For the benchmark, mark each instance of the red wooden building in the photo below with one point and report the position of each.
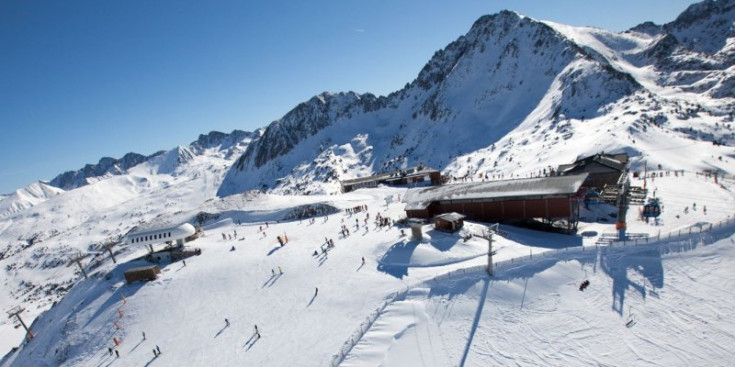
(545, 198)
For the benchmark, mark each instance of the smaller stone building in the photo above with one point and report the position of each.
(142, 273)
(449, 222)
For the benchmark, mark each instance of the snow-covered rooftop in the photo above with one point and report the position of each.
(420, 198)
(618, 162)
(410, 172)
(453, 216)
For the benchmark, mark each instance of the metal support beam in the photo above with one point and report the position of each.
(490, 254)
(108, 246)
(15, 312)
(78, 260)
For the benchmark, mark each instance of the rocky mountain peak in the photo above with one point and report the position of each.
(705, 27)
(648, 28)
(304, 120)
(106, 165)
(216, 139)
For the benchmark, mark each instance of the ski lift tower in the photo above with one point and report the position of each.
(488, 235)
(78, 260)
(15, 312)
(108, 246)
(622, 204)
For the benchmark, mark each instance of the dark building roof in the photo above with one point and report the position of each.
(616, 162)
(420, 198)
(395, 175)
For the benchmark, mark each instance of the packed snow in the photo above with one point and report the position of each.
(513, 99)
(529, 312)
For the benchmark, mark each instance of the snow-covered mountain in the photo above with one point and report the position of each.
(513, 97)
(228, 143)
(106, 167)
(27, 197)
(510, 80)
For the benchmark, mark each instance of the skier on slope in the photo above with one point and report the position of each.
(584, 285)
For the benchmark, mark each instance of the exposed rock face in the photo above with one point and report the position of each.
(489, 80)
(106, 166)
(227, 144)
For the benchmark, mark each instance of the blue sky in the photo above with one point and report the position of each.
(80, 80)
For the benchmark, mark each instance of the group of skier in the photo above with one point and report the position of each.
(356, 209)
(156, 350)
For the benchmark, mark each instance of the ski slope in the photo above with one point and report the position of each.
(529, 313)
(653, 305)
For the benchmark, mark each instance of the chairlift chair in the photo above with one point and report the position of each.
(592, 198)
(585, 283)
(652, 209)
(631, 321)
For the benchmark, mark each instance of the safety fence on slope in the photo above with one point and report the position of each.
(364, 327)
(675, 235)
(678, 235)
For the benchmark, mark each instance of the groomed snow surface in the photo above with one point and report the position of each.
(447, 311)
(677, 298)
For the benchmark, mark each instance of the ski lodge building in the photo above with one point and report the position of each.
(418, 174)
(604, 169)
(545, 198)
(178, 234)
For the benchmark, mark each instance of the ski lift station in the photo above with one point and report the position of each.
(161, 235)
(549, 198)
